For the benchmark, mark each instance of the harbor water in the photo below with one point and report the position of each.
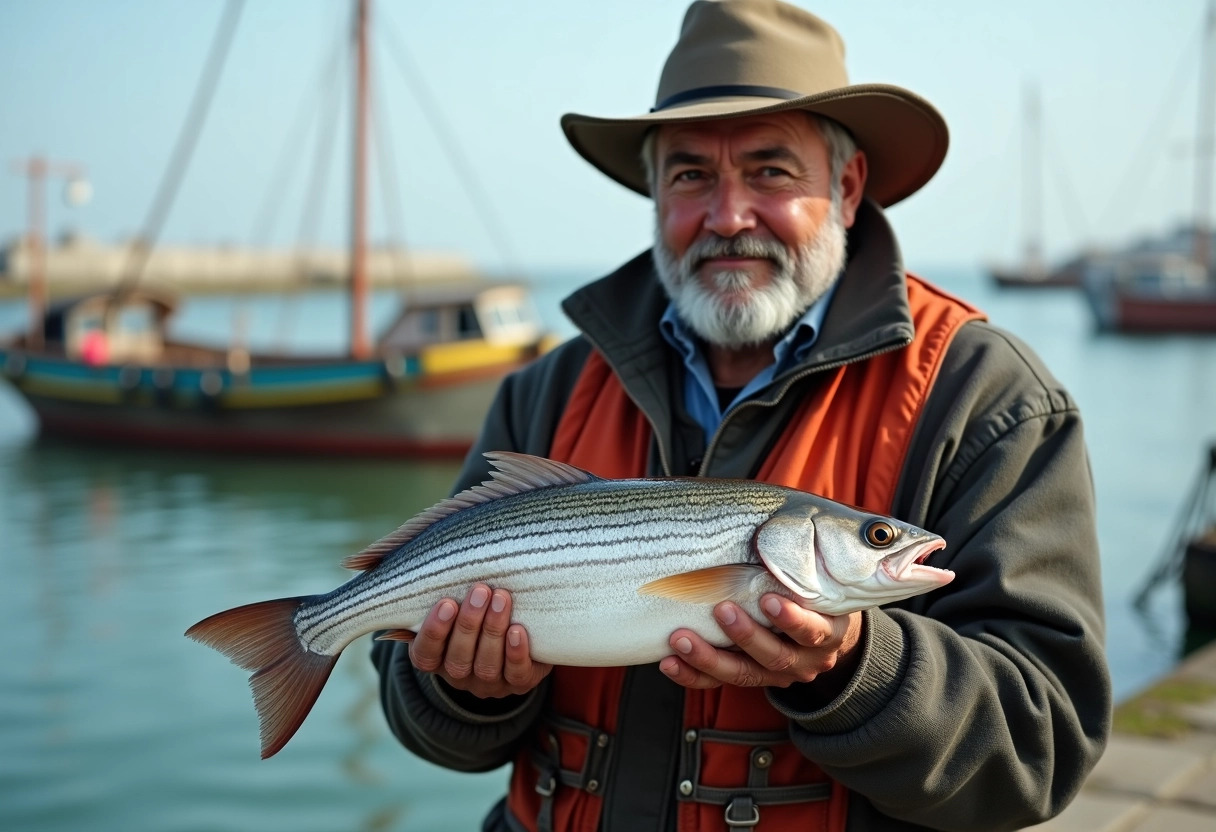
(111, 720)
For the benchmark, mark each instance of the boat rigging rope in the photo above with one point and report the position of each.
(450, 145)
(137, 255)
(1140, 167)
(390, 190)
(1189, 524)
(313, 108)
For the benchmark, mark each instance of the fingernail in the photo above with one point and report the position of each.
(513, 637)
(669, 666)
(683, 645)
(726, 614)
(499, 603)
(772, 606)
(446, 611)
(478, 598)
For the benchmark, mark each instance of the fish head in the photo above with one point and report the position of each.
(837, 559)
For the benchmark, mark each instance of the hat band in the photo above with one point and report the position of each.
(722, 90)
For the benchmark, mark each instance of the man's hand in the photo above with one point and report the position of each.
(474, 646)
(807, 645)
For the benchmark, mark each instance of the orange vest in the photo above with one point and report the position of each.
(847, 442)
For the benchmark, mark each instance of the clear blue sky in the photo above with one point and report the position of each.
(106, 83)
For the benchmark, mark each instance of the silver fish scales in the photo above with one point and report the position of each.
(601, 572)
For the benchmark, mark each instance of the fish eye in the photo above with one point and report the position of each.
(879, 534)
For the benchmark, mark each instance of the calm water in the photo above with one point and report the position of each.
(111, 720)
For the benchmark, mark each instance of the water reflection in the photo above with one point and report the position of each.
(111, 719)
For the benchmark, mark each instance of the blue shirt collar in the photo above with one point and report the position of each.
(700, 395)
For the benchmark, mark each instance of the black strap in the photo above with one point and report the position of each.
(723, 90)
(757, 789)
(549, 771)
(742, 803)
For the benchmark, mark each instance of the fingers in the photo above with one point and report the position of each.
(803, 626)
(521, 674)
(429, 645)
(474, 647)
(462, 644)
(488, 662)
(685, 674)
(807, 645)
(698, 664)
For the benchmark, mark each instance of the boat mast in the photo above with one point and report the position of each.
(36, 169)
(1032, 185)
(358, 239)
(1206, 143)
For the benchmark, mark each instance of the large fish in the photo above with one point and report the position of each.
(601, 572)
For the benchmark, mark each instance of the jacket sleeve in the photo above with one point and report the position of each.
(982, 705)
(438, 723)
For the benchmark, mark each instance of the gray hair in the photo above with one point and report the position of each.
(841, 148)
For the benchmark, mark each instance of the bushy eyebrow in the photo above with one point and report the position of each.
(683, 157)
(776, 153)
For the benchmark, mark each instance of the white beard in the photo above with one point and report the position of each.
(734, 313)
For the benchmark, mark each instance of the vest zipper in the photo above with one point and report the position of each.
(790, 382)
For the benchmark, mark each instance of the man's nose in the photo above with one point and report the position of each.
(730, 209)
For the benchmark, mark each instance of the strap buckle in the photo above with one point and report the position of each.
(546, 788)
(739, 805)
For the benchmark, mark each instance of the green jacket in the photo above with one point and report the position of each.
(980, 706)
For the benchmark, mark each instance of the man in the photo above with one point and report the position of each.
(773, 333)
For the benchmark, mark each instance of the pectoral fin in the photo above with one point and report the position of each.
(705, 586)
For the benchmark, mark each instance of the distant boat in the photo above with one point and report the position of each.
(1068, 275)
(1167, 285)
(104, 368)
(1151, 292)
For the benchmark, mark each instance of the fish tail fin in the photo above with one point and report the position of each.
(287, 677)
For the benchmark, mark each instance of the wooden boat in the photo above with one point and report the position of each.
(110, 372)
(1151, 293)
(104, 368)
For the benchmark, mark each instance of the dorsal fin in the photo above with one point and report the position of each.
(514, 474)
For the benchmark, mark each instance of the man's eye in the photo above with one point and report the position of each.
(687, 176)
(771, 172)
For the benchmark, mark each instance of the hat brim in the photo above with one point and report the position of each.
(903, 136)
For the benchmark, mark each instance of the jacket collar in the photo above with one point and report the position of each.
(620, 313)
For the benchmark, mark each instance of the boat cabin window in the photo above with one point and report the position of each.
(136, 320)
(467, 326)
(426, 323)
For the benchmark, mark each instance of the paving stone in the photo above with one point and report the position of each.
(1145, 767)
(1202, 715)
(1202, 743)
(1174, 819)
(1201, 791)
(1200, 665)
(1097, 812)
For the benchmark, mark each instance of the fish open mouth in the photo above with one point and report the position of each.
(908, 565)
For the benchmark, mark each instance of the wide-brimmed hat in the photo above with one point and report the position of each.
(749, 57)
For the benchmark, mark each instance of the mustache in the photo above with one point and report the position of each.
(738, 246)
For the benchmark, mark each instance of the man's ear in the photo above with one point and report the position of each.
(852, 187)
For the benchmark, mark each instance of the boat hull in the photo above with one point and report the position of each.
(1147, 314)
(369, 408)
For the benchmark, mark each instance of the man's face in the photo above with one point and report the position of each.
(747, 234)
